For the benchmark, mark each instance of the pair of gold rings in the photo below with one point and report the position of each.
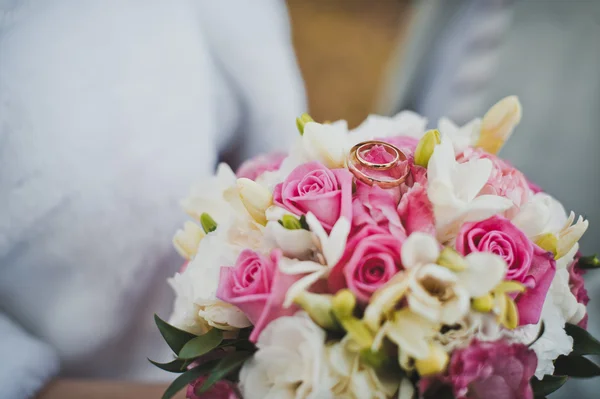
(396, 170)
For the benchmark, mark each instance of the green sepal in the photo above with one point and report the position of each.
(226, 366)
(188, 377)
(549, 384)
(201, 345)
(589, 262)
(174, 337)
(290, 222)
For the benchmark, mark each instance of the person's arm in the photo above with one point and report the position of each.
(26, 363)
(251, 41)
(98, 389)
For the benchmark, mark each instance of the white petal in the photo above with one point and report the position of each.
(419, 249)
(470, 177)
(302, 285)
(486, 206)
(325, 143)
(294, 243)
(456, 309)
(407, 389)
(336, 242)
(533, 217)
(485, 271)
(442, 162)
(410, 332)
(293, 266)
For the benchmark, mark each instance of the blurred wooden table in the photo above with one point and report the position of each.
(342, 48)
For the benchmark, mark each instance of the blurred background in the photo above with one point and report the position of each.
(110, 109)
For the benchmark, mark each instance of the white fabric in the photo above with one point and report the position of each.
(108, 112)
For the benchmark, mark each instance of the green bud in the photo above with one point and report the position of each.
(589, 262)
(319, 308)
(452, 260)
(290, 222)
(301, 121)
(208, 223)
(343, 304)
(426, 146)
(377, 360)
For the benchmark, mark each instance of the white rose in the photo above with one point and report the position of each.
(289, 363)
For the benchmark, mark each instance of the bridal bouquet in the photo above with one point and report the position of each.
(381, 262)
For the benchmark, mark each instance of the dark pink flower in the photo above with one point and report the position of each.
(253, 168)
(416, 211)
(527, 263)
(577, 285)
(492, 370)
(221, 390)
(373, 205)
(406, 144)
(371, 258)
(312, 187)
(257, 287)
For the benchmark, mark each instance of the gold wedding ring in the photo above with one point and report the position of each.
(359, 166)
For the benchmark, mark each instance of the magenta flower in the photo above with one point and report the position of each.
(492, 370)
(253, 168)
(371, 259)
(577, 285)
(257, 287)
(221, 390)
(527, 263)
(312, 187)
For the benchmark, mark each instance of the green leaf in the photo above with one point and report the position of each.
(576, 367)
(303, 223)
(589, 262)
(176, 366)
(540, 333)
(549, 384)
(201, 345)
(175, 337)
(227, 365)
(188, 377)
(583, 342)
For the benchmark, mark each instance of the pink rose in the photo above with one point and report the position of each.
(577, 285)
(253, 168)
(312, 187)
(416, 211)
(527, 263)
(373, 205)
(504, 180)
(492, 370)
(257, 287)
(221, 390)
(371, 258)
(407, 144)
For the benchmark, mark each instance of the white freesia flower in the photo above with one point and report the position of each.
(545, 221)
(352, 378)
(453, 189)
(186, 240)
(196, 305)
(326, 143)
(330, 250)
(440, 294)
(480, 326)
(218, 196)
(405, 123)
(290, 362)
(462, 137)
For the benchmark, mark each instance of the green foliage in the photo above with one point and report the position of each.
(576, 366)
(208, 223)
(583, 342)
(201, 345)
(174, 337)
(188, 377)
(549, 384)
(228, 364)
(176, 366)
(589, 262)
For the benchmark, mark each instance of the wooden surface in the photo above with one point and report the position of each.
(343, 47)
